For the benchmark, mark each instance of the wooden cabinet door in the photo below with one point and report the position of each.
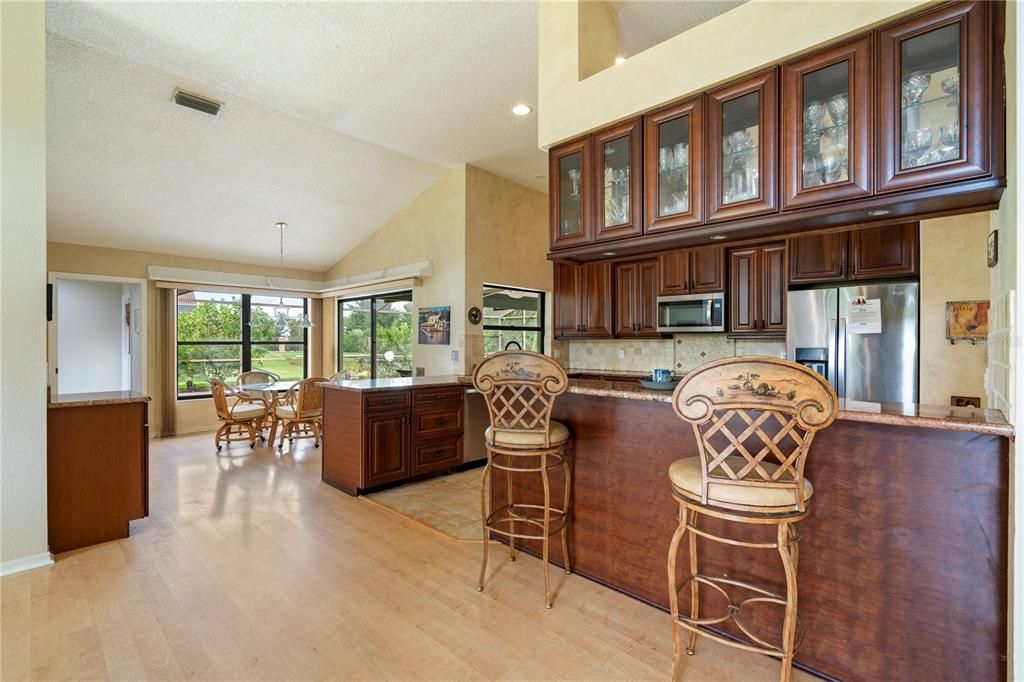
(570, 197)
(436, 455)
(884, 252)
(934, 97)
(625, 299)
(817, 258)
(773, 288)
(742, 132)
(826, 125)
(387, 443)
(618, 159)
(744, 291)
(674, 166)
(674, 269)
(707, 269)
(596, 311)
(567, 300)
(645, 311)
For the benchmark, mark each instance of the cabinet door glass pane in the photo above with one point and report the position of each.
(570, 190)
(930, 92)
(674, 166)
(826, 135)
(616, 182)
(740, 160)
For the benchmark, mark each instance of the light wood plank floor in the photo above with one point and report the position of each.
(250, 568)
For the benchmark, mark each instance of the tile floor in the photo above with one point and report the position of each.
(448, 504)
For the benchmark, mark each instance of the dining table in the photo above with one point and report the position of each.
(272, 392)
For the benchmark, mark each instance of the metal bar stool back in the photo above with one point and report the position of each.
(520, 388)
(754, 419)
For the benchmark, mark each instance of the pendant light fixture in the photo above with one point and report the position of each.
(281, 310)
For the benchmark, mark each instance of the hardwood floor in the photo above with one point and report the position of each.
(250, 568)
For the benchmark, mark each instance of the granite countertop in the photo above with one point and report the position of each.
(398, 383)
(945, 418)
(623, 373)
(98, 398)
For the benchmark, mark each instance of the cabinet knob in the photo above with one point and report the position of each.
(441, 420)
(438, 454)
(389, 401)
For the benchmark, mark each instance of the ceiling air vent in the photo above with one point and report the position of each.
(197, 102)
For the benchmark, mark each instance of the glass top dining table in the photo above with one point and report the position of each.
(272, 387)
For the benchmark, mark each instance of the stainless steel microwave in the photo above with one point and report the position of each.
(691, 313)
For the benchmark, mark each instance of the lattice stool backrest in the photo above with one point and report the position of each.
(520, 388)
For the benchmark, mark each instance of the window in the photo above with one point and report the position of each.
(220, 335)
(375, 336)
(513, 316)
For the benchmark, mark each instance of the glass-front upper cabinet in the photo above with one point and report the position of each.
(826, 139)
(618, 169)
(742, 129)
(934, 105)
(674, 166)
(571, 196)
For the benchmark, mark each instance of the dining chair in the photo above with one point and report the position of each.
(301, 413)
(241, 419)
(258, 377)
(341, 376)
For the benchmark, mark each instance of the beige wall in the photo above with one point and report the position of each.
(767, 30)
(953, 268)
(23, 540)
(191, 415)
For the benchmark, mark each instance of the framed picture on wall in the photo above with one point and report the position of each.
(967, 320)
(435, 325)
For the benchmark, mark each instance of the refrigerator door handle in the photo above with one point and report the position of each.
(832, 335)
(841, 360)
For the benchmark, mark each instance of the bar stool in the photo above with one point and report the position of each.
(520, 388)
(754, 419)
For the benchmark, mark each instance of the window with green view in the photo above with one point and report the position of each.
(513, 317)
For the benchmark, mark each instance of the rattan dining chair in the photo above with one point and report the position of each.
(258, 377)
(301, 413)
(240, 421)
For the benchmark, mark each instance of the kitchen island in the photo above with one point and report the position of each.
(903, 562)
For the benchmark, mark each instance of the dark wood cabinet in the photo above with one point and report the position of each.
(818, 258)
(674, 167)
(567, 300)
(618, 155)
(636, 294)
(826, 125)
(935, 97)
(377, 438)
(757, 290)
(700, 270)
(742, 133)
(884, 252)
(570, 193)
(583, 300)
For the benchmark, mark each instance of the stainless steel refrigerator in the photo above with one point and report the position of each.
(867, 350)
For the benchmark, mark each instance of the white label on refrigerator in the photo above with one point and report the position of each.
(865, 316)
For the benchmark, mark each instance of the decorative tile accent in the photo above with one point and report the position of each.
(682, 353)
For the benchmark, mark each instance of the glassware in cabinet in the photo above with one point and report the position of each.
(570, 187)
(618, 167)
(673, 166)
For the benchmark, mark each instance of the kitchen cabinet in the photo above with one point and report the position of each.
(884, 252)
(818, 258)
(636, 294)
(378, 438)
(757, 290)
(566, 300)
(618, 188)
(826, 125)
(583, 300)
(674, 167)
(935, 97)
(742, 134)
(570, 193)
(698, 270)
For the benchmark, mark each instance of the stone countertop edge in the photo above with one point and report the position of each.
(989, 422)
(98, 398)
(399, 383)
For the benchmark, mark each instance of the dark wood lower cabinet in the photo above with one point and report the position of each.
(378, 438)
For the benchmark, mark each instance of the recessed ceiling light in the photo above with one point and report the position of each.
(522, 109)
(620, 60)
(717, 237)
(607, 253)
(874, 213)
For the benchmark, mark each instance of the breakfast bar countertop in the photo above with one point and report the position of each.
(96, 398)
(398, 383)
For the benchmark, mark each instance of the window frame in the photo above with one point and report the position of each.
(339, 358)
(541, 315)
(246, 342)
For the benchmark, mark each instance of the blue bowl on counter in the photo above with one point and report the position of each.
(669, 385)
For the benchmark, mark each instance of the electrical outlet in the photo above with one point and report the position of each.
(455, 355)
(622, 354)
(420, 372)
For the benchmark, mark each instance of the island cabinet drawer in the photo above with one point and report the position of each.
(432, 396)
(436, 455)
(435, 421)
(385, 400)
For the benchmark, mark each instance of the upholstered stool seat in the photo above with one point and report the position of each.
(557, 433)
(685, 475)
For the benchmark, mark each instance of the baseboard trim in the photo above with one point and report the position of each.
(26, 563)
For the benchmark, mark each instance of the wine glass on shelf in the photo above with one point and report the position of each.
(574, 179)
(914, 85)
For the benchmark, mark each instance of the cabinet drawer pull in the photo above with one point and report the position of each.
(439, 454)
(389, 401)
(441, 420)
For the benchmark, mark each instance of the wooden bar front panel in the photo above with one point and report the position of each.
(903, 561)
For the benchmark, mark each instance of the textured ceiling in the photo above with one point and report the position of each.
(337, 115)
(645, 23)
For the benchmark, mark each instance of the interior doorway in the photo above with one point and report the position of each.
(97, 338)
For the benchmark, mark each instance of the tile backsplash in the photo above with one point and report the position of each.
(682, 352)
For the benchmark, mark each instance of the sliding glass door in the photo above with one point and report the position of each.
(375, 336)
